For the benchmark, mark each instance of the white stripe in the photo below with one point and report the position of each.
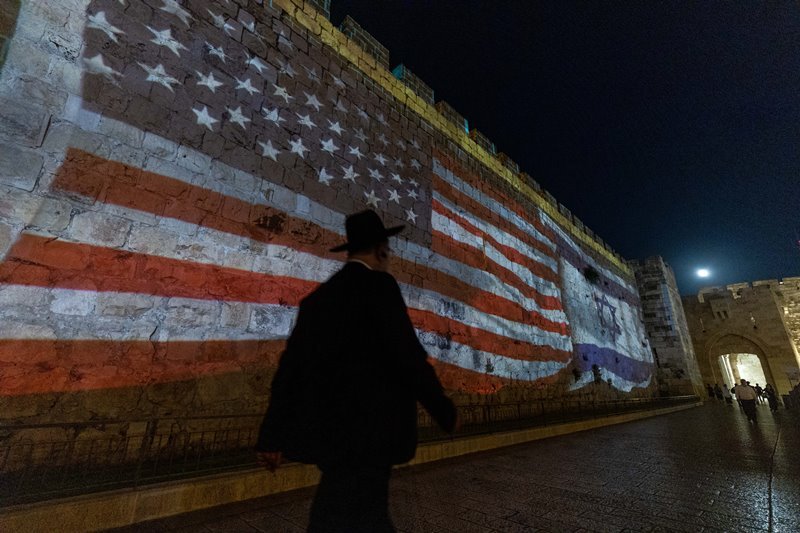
(586, 257)
(469, 358)
(499, 235)
(433, 302)
(493, 205)
(455, 231)
(123, 316)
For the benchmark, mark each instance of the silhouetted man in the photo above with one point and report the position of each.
(345, 394)
(747, 398)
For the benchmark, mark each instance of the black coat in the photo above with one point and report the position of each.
(347, 386)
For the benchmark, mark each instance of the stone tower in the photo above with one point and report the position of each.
(664, 319)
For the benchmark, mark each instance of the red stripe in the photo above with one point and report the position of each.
(479, 210)
(34, 367)
(44, 365)
(483, 340)
(44, 262)
(515, 256)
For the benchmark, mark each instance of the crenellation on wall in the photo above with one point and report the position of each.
(414, 82)
(448, 112)
(366, 41)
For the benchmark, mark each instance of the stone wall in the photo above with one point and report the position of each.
(759, 318)
(667, 329)
(173, 174)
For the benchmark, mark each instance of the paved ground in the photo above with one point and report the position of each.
(705, 469)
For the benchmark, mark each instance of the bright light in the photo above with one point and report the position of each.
(703, 272)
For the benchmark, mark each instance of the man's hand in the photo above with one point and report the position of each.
(269, 460)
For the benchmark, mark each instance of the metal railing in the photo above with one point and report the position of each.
(45, 461)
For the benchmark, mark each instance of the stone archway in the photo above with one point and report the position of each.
(727, 344)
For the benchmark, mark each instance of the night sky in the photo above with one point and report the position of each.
(669, 128)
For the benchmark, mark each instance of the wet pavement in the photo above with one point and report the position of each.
(704, 469)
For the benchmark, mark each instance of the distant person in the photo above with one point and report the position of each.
(717, 392)
(772, 397)
(710, 391)
(759, 393)
(726, 393)
(747, 399)
(345, 394)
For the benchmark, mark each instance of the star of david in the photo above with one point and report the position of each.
(607, 314)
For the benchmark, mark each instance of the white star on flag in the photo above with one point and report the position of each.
(209, 81)
(99, 22)
(286, 68)
(329, 146)
(305, 120)
(237, 116)
(204, 119)
(246, 85)
(160, 76)
(335, 127)
(362, 113)
(413, 183)
(324, 177)
(311, 100)
(382, 138)
(267, 150)
(298, 148)
(356, 152)
(257, 64)
(97, 65)
(164, 38)
(216, 51)
(411, 216)
(412, 194)
(284, 40)
(372, 199)
(273, 116)
(219, 20)
(415, 164)
(374, 174)
(338, 82)
(281, 92)
(415, 144)
(228, 28)
(312, 74)
(380, 158)
(340, 107)
(396, 177)
(350, 174)
(399, 163)
(401, 144)
(382, 119)
(360, 135)
(393, 196)
(172, 6)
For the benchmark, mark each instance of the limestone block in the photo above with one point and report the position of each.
(185, 312)
(23, 123)
(8, 234)
(271, 321)
(62, 135)
(123, 305)
(234, 314)
(100, 229)
(10, 329)
(75, 303)
(24, 295)
(150, 240)
(17, 206)
(52, 215)
(19, 168)
(159, 147)
(121, 132)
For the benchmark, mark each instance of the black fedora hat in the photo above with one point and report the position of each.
(364, 230)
